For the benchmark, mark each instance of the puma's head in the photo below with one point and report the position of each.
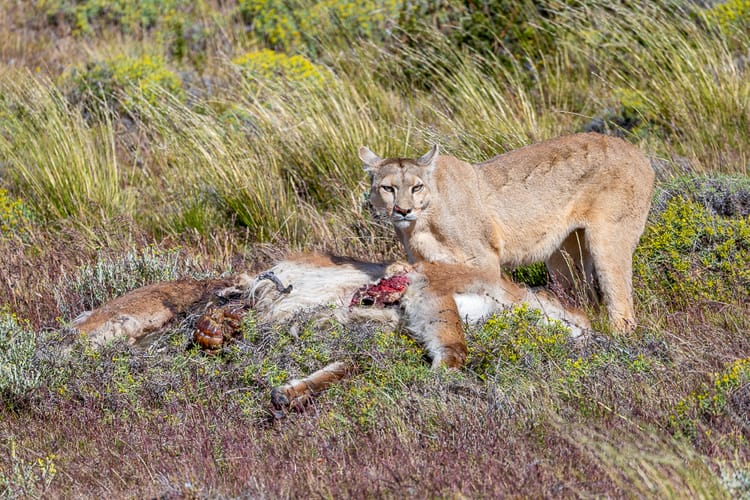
(399, 187)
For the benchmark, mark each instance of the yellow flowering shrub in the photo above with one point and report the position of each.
(732, 14)
(13, 214)
(688, 253)
(268, 68)
(711, 399)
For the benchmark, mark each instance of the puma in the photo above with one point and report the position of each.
(577, 202)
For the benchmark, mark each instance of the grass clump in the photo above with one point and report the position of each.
(92, 285)
(66, 167)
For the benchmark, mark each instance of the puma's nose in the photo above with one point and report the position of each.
(401, 211)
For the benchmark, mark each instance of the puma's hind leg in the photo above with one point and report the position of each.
(613, 262)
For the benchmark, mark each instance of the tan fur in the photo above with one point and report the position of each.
(587, 194)
(142, 311)
(297, 392)
(434, 306)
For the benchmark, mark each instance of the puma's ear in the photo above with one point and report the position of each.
(370, 159)
(428, 159)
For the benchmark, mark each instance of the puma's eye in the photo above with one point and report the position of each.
(417, 188)
(388, 189)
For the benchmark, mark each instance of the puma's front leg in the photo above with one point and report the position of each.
(433, 317)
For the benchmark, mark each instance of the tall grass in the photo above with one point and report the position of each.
(281, 160)
(66, 167)
(679, 74)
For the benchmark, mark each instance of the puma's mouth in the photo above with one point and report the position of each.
(401, 220)
(402, 223)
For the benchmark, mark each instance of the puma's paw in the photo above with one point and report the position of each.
(452, 357)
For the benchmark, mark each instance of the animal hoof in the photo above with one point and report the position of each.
(279, 399)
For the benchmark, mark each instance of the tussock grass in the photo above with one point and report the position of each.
(676, 74)
(67, 168)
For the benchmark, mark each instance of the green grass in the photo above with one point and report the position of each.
(151, 140)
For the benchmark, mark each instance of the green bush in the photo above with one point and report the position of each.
(532, 275)
(14, 215)
(124, 83)
(504, 28)
(301, 26)
(86, 16)
(689, 255)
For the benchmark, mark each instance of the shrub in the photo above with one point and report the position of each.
(532, 275)
(86, 16)
(14, 215)
(111, 277)
(719, 194)
(23, 368)
(730, 15)
(266, 67)
(499, 27)
(124, 82)
(689, 255)
(293, 25)
(517, 336)
(711, 400)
